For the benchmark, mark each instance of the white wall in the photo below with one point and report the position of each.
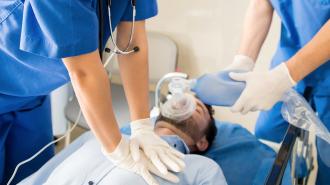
(207, 33)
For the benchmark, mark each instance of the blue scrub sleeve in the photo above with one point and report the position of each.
(144, 9)
(59, 29)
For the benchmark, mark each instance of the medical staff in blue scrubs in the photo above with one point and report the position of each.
(45, 44)
(301, 61)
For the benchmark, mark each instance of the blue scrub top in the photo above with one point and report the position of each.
(36, 34)
(301, 20)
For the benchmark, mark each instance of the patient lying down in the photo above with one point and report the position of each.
(83, 162)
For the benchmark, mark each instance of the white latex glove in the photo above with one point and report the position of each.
(157, 150)
(263, 89)
(241, 63)
(122, 158)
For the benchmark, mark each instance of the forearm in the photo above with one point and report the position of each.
(256, 26)
(92, 88)
(312, 56)
(134, 69)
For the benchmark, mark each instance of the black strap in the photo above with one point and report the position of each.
(101, 26)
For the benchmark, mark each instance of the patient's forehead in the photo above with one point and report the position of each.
(201, 115)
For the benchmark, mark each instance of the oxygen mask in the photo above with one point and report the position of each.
(180, 105)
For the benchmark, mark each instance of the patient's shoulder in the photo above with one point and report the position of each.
(199, 160)
(204, 170)
(201, 164)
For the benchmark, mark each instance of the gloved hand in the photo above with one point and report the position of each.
(157, 150)
(263, 89)
(122, 157)
(241, 63)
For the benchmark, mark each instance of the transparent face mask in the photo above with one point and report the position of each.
(298, 112)
(180, 105)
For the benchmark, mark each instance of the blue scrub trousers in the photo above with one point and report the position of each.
(23, 132)
(271, 126)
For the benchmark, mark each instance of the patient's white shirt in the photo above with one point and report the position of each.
(83, 163)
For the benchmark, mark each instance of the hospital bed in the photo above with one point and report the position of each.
(302, 159)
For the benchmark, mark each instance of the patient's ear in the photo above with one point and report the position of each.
(202, 144)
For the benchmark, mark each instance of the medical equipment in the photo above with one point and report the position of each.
(116, 49)
(180, 105)
(178, 86)
(217, 89)
(302, 159)
(303, 120)
(298, 112)
(158, 102)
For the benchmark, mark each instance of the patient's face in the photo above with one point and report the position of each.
(190, 130)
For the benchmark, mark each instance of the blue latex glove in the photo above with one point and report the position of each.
(218, 89)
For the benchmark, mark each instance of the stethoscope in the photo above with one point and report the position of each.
(116, 49)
